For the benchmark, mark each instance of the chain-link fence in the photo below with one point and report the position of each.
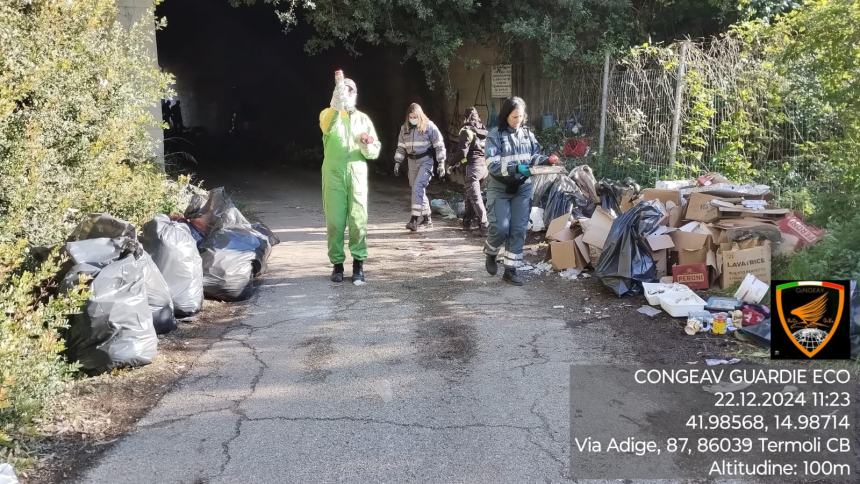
(681, 111)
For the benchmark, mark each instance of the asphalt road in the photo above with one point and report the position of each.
(434, 371)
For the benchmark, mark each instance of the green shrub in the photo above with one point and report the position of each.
(835, 257)
(75, 104)
(77, 92)
(31, 369)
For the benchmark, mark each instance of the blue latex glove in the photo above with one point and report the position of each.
(524, 170)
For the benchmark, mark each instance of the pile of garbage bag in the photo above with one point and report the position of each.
(137, 287)
(233, 251)
(116, 327)
(558, 194)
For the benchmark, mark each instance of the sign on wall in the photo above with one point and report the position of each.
(501, 80)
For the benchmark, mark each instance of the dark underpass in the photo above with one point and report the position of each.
(250, 92)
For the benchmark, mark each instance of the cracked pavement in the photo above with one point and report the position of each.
(434, 371)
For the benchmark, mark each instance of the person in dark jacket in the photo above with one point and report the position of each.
(470, 150)
(511, 150)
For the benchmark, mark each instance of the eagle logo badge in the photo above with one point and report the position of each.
(810, 312)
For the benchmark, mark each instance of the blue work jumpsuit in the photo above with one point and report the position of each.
(509, 194)
(414, 145)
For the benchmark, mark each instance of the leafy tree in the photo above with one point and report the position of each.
(563, 31)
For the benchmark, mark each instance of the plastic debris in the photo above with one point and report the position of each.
(7, 474)
(570, 274)
(719, 303)
(649, 311)
(158, 297)
(751, 290)
(716, 361)
(759, 333)
(536, 223)
(443, 209)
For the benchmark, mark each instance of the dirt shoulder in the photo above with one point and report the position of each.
(95, 412)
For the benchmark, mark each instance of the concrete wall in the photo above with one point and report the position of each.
(129, 13)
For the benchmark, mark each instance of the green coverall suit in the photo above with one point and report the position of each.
(344, 180)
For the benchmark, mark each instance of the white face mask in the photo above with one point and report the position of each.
(413, 122)
(350, 100)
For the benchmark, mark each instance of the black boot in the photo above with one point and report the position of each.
(491, 265)
(357, 271)
(337, 273)
(413, 224)
(467, 225)
(512, 276)
(426, 222)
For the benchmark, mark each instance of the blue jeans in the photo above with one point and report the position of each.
(508, 214)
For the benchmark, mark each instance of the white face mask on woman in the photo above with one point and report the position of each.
(413, 122)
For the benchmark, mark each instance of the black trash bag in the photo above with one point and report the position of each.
(158, 297)
(218, 211)
(565, 197)
(612, 192)
(541, 185)
(609, 192)
(231, 260)
(626, 261)
(265, 230)
(115, 328)
(174, 250)
(99, 225)
(758, 334)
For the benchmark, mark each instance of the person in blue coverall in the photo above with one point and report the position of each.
(511, 150)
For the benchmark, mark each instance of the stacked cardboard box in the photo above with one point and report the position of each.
(726, 232)
(577, 243)
(709, 235)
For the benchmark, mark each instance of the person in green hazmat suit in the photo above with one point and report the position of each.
(349, 140)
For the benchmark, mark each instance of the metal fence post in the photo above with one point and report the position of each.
(604, 97)
(679, 99)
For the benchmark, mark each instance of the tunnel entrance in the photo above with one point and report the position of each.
(251, 96)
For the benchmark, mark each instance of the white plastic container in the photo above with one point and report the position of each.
(679, 303)
(653, 290)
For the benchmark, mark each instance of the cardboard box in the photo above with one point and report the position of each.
(732, 210)
(584, 250)
(664, 196)
(565, 255)
(807, 234)
(693, 242)
(736, 229)
(597, 229)
(736, 264)
(560, 229)
(699, 208)
(694, 276)
(676, 214)
(660, 242)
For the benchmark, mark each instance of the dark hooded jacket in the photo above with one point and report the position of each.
(473, 135)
